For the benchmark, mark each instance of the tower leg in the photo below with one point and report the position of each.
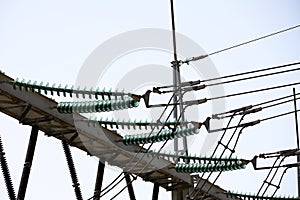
(28, 163)
(155, 191)
(130, 188)
(99, 179)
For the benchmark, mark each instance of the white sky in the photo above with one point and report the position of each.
(50, 40)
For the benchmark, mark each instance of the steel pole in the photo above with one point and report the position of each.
(297, 136)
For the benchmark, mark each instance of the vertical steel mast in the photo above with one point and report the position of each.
(177, 85)
(177, 194)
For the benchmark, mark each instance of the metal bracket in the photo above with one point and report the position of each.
(35, 121)
(24, 113)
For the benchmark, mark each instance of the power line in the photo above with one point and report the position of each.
(252, 77)
(255, 122)
(254, 91)
(197, 82)
(254, 40)
(246, 108)
(241, 44)
(273, 100)
(277, 104)
(279, 115)
(108, 185)
(253, 71)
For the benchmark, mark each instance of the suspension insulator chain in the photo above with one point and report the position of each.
(96, 106)
(128, 124)
(6, 174)
(34, 87)
(72, 170)
(254, 197)
(195, 158)
(199, 168)
(160, 136)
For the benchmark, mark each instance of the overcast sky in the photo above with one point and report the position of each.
(50, 41)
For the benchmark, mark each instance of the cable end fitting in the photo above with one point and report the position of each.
(136, 97)
(156, 90)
